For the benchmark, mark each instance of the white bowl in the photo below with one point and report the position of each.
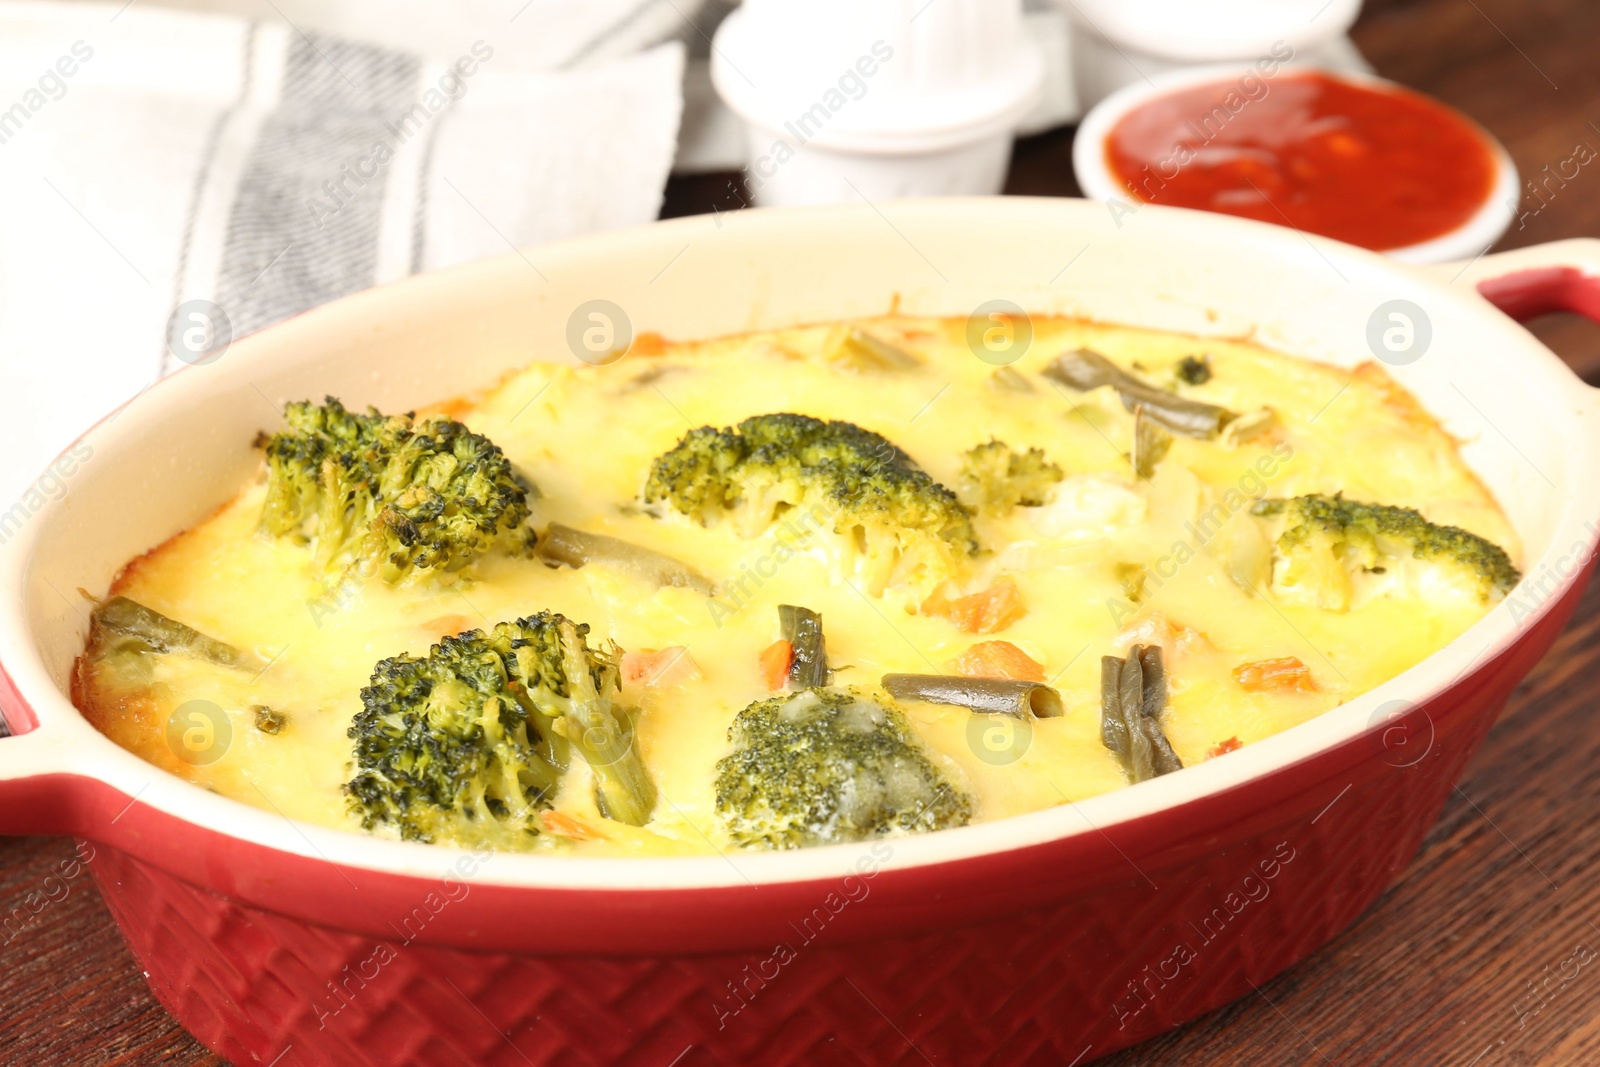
(1097, 181)
(1216, 30)
(876, 98)
(1122, 42)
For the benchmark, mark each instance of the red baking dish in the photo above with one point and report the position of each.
(1049, 938)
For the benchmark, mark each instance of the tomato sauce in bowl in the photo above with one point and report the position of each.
(1370, 164)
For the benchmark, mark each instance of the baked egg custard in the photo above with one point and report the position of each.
(794, 588)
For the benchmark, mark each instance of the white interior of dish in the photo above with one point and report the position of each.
(182, 448)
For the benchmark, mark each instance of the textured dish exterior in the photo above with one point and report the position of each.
(1043, 976)
(1026, 954)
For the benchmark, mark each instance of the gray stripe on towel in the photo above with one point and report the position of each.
(304, 225)
(202, 174)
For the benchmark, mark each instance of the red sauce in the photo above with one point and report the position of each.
(1372, 166)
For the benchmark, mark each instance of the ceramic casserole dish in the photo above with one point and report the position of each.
(1046, 938)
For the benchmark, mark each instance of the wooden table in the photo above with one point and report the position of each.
(1438, 971)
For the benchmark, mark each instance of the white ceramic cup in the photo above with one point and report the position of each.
(876, 98)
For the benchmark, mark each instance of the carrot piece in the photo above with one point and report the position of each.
(776, 659)
(984, 612)
(667, 666)
(456, 407)
(448, 625)
(1275, 674)
(563, 825)
(648, 343)
(1222, 748)
(997, 659)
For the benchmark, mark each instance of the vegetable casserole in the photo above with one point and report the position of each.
(795, 588)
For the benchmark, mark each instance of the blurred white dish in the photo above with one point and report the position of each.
(1125, 42)
(876, 98)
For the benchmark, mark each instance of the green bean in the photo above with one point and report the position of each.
(862, 351)
(577, 548)
(1010, 380)
(1155, 701)
(1133, 693)
(128, 619)
(802, 628)
(990, 696)
(269, 721)
(1085, 370)
(1113, 727)
(1150, 442)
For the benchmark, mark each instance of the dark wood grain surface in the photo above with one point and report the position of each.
(1443, 969)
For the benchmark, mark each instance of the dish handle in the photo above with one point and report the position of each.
(34, 774)
(1528, 282)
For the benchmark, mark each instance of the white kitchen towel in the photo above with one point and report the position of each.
(537, 35)
(168, 178)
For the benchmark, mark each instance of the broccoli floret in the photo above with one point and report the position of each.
(896, 523)
(1327, 539)
(466, 743)
(996, 478)
(389, 493)
(823, 766)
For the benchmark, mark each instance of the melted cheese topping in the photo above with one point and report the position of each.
(586, 437)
